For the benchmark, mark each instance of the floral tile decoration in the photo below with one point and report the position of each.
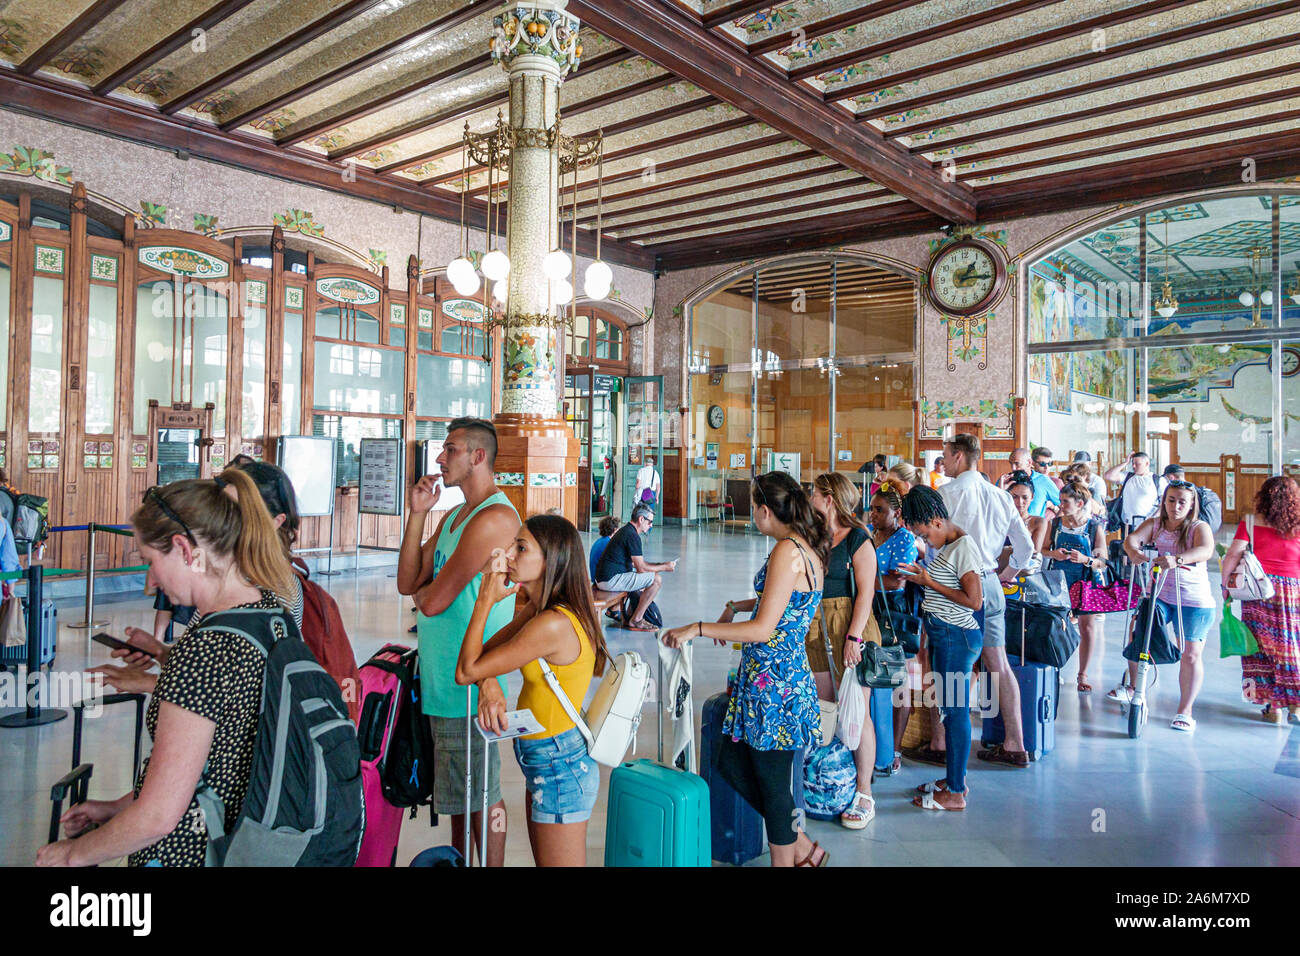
(293, 297)
(103, 268)
(510, 479)
(570, 479)
(544, 479)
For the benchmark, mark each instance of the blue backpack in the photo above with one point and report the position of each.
(830, 780)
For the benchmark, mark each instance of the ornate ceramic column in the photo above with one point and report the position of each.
(537, 465)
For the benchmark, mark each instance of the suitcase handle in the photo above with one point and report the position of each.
(75, 785)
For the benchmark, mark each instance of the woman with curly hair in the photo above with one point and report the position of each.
(1272, 677)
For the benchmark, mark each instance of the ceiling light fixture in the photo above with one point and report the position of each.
(1167, 304)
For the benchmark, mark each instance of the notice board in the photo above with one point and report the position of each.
(309, 462)
(380, 478)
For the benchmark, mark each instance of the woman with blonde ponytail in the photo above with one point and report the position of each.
(207, 549)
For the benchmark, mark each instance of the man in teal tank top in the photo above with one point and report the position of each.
(445, 573)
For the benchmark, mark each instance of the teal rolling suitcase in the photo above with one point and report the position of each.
(657, 815)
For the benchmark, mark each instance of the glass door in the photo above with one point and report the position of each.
(642, 440)
(178, 454)
(577, 412)
(604, 425)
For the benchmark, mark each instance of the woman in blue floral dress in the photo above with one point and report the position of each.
(773, 710)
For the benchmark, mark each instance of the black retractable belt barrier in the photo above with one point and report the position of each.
(33, 714)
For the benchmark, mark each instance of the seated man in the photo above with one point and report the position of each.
(623, 568)
(608, 525)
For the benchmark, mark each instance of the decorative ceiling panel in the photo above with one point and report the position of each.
(356, 39)
(953, 108)
(129, 30)
(822, 204)
(260, 25)
(1229, 71)
(1138, 150)
(26, 25)
(799, 217)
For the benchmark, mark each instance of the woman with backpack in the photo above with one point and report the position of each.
(1272, 676)
(554, 628)
(220, 555)
(773, 708)
(1076, 545)
(844, 621)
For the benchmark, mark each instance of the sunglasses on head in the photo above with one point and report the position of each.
(156, 495)
(1179, 483)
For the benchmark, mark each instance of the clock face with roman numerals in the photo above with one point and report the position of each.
(966, 278)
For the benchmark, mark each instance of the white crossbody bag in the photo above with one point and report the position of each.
(610, 723)
(1255, 584)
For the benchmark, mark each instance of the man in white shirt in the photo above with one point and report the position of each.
(648, 479)
(989, 516)
(1138, 488)
(1096, 483)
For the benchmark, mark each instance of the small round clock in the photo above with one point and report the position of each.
(1290, 362)
(716, 416)
(966, 277)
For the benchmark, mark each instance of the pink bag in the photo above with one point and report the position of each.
(1087, 597)
(379, 690)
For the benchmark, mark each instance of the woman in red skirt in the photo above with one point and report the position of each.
(1272, 677)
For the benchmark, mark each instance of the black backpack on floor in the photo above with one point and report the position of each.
(652, 615)
(408, 762)
(304, 805)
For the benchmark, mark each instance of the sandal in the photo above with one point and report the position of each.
(856, 817)
(1272, 716)
(807, 861)
(999, 754)
(1182, 723)
(639, 626)
(926, 801)
(1121, 694)
(1081, 682)
(897, 765)
(939, 786)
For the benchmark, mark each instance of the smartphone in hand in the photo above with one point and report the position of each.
(118, 644)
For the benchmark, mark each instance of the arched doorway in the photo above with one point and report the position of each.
(801, 364)
(1172, 329)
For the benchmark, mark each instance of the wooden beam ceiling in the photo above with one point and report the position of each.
(271, 53)
(820, 28)
(424, 34)
(56, 101)
(168, 45)
(668, 38)
(1119, 78)
(79, 26)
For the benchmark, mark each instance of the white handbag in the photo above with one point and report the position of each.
(611, 719)
(1255, 584)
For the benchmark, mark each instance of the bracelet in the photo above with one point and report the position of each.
(731, 606)
(855, 640)
(699, 628)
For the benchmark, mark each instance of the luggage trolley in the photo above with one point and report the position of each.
(1137, 708)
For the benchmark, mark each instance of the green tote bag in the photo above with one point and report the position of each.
(1235, 638)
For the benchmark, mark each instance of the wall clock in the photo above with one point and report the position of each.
(716, 416)
(966, 277)
(1290, 362)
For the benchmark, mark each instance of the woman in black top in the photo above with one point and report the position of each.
(209, 551)
(844, 620)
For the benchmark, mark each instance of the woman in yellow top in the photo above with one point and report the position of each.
(554, 621)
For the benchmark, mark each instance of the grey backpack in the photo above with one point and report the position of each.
(304, 805)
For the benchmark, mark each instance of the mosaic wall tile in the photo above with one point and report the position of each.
(103, 268)
(256, 292)
(293, 297)
(397, 314)
(510, 479)
(49, 259)
(30, 161)
(6, 231)
(544, 479)
(298, 220)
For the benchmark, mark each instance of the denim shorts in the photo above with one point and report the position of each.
(561, 778)
(1196, 620)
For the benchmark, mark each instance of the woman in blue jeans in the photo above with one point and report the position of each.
(953, 591)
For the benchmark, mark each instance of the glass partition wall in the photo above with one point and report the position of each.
(803, 366)
(1176, 332)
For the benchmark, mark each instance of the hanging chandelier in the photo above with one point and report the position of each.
(1258, 298)
(1167, 304)
(492, 150)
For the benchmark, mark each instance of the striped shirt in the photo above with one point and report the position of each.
(947, 567)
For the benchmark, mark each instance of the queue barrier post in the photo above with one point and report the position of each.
(32, 713)
(90, 621)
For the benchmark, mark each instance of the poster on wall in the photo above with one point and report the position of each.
(379, 485)
(1058, 386)
(309, 463)
(634, 454)
(738, 460)
(711, 453)
(450, 497)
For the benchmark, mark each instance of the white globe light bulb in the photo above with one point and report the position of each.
(599, 275)
(496, 265)
(465, 285)
(500, 290)
(1246, 299)
(557, 265)
(1267, 297)
(459, 268)
(563, 292)
(596, 293)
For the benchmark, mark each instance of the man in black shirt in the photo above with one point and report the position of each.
(623, 568)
